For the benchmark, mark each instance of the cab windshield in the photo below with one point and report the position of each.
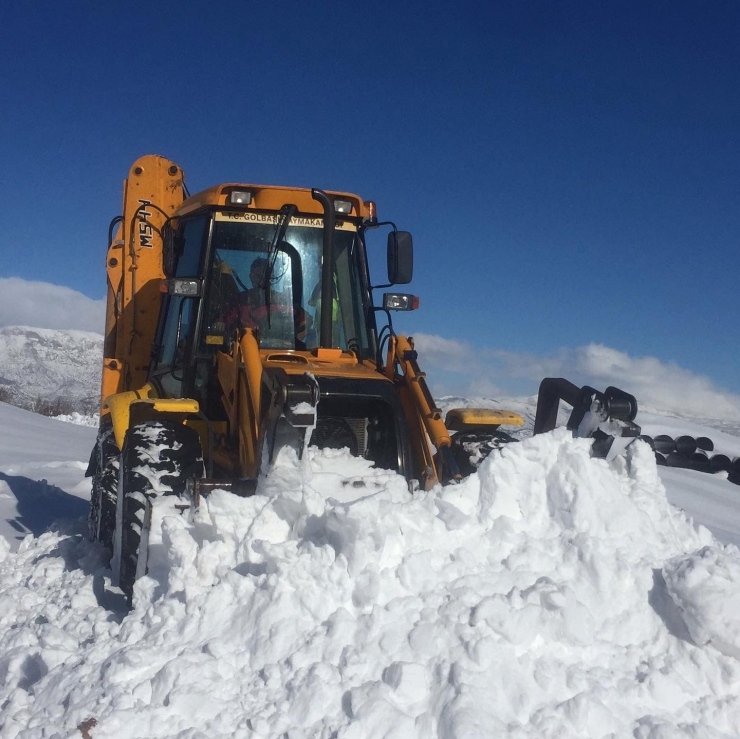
(278, 290)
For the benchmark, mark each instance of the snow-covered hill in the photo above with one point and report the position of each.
(549, 595)
(50, 364)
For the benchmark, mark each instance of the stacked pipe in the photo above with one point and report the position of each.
(694, 454)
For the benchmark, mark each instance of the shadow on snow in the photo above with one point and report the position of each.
(40, 505)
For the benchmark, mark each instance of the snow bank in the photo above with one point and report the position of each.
(551, 595)
(706, 587)
(80, 419)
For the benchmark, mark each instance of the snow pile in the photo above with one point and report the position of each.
(705, 586)
(549, 595)
(80, 419)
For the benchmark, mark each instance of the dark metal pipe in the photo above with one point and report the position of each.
(720, 463)
(664, 444)
(648, 440)
(699, 462)
(734, 475)
(659, 459)
(676, 460)
(702, 442)
(620, 405)
(686, 445)
(327, 292)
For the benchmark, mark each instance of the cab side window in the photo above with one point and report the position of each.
(188, 263)
(181, 312)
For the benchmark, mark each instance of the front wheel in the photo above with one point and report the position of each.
(103, 469)
(158, 458)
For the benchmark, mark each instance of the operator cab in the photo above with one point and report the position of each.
(244, 278)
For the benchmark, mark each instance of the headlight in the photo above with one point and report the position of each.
(400, 301)
(188, 288)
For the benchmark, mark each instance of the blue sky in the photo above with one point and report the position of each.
(570, 170)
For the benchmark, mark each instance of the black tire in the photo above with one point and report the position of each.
(103, 469)
(470, 448)
(172, 453)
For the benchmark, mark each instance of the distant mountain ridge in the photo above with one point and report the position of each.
(51, 365)
(57, 371)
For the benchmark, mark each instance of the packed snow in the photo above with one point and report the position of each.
(548, 595)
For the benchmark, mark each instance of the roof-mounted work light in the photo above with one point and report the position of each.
(240, 197)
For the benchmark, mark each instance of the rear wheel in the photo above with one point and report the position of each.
(104, 471)
(158, 458)
(470, 448)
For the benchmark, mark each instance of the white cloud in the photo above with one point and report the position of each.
(459, 368)
(44, 305)
(451, 354)
(662, 384)
(652, 381)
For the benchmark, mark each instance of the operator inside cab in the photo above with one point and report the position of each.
(262, 307)
(255, 282)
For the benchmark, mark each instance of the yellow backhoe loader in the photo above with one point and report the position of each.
(242, 319)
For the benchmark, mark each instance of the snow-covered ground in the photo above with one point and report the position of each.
(549, 595)
(709, 499)
(42, 468)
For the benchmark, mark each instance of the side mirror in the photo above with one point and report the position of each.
(400, 257)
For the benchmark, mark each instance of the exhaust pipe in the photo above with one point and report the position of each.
(327, 256)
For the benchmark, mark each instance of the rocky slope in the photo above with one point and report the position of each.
(60, 367)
